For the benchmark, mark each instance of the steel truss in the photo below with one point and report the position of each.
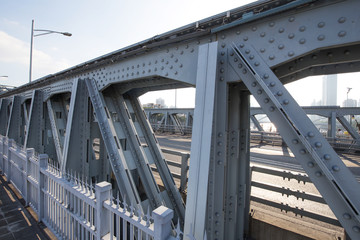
(88, 119)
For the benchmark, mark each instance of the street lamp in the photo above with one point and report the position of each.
(347, 96)
(44, 32)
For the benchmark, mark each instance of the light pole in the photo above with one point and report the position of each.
(44, 32)
(347, 96)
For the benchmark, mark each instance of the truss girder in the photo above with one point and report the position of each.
(35, 128)
(119, 165)
(130, 144)
(77, 138)
(326, 170)
(14, 128)
(4, 116)
(153, 151)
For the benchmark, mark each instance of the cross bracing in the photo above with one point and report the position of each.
(88, 118)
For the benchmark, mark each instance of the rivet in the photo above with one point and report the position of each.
(176, 72)
(254, 84)
(302, 41)
(220, 134)
(222, 70)
(272, 84)
(291, 53)
(310, 164)
(180, 66)
(318, 144)
(271, 24)
(235, 59)
(192, 50)
(295, 141)
(272, 109)
(291, 35)
(256, 63)
(247, 51)
(281, 46)
(327, 157)
(356, 229)
(223, 45)
(313, 57)
(281, 30)
(265, 76)
(266, 100)
(347, 216)
(291, 19)
(341, 33)
(219, 162)
(330, 54)
(172, 55)
(246, 38)
(241, 45)
(262, 34)
(321, 37)
(302, 151)
(279, 93)
(335, 168)
(302, 28)
(346, 52)
(222, 53)
(262, 50)
(254, 29)
(219, 153)
(342, 20)
(221, 61)
(251, 56)
(259, 92)
(271, 40)
(223, 36)
(238, 33)
(240, 65)
(244, 71)
(318, 174)
(321, 24)
(221, 78)
(311, 134)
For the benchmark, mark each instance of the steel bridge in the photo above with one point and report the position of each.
(254, 49)
(169, 118)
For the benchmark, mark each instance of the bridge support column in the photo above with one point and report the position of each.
(15, 121)
(218, 189)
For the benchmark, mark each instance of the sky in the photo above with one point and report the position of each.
(100, 27)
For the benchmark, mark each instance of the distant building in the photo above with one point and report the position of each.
(329, 93)
(160, 102)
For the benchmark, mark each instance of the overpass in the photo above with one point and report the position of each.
(254, 49)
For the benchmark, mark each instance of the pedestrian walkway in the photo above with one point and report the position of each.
(16, 221)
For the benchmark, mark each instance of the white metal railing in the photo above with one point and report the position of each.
(72, 207)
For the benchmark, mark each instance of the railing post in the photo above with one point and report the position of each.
(29, 154)
(102, 224)
(8, 170)
(43, 163)
(162, 222)
(184, 171)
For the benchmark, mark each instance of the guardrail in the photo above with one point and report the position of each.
(76, 209)
(296, 192)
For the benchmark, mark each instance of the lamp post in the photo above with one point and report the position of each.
(44, 32)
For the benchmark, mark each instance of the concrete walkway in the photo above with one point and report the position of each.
(16, 221)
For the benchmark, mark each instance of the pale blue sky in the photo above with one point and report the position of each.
(99, 27)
